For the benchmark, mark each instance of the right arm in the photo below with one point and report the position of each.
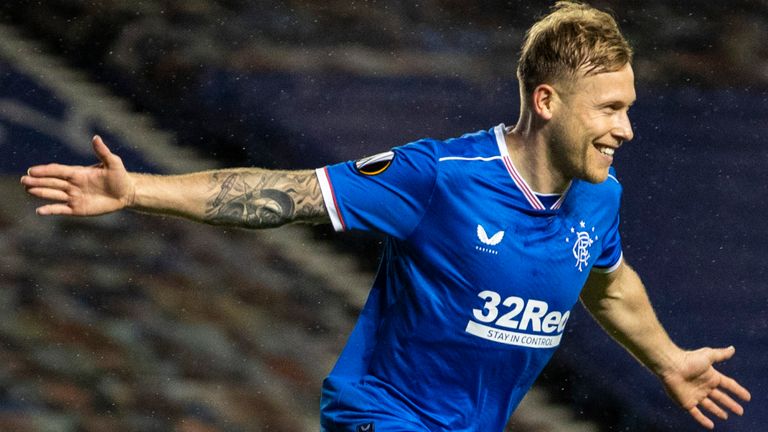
(242, 197)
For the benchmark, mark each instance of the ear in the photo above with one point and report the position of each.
(544, 100)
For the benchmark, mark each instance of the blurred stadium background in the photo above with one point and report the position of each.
(137, 323)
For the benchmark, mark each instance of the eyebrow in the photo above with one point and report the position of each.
(614, 103)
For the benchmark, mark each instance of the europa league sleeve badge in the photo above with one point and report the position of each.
(376, 164)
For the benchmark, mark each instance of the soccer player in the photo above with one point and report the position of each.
(491, 239)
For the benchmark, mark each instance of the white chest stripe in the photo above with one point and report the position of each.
(529, 194)
(477, 158)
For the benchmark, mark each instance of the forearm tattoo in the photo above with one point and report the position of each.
(255, 198)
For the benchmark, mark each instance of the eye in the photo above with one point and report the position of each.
(614, 108)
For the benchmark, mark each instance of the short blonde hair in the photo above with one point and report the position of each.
(574, 39)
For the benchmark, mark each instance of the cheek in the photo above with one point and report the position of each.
(600, 126)
(573, 139)
(567, 134)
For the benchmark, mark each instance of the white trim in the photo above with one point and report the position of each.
(559, 202)
(529, 194)
(500, 141)
(328, 199)
(478, 158)
(518, 178)
(614, 178)
(610, 269)
(379, 157)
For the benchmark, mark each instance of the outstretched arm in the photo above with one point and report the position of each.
(619, 303)
(243, 197)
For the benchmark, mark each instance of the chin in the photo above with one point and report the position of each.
(595, 177)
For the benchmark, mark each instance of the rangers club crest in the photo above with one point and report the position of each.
(582, 240)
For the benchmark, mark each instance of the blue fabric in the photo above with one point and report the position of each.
(475, 286)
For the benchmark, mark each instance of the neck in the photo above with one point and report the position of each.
(531, 153)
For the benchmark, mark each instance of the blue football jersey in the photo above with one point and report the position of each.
(476, 283)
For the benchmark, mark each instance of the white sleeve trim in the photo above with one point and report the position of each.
(329, 199)
(611, 269)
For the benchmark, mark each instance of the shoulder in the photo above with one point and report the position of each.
(450, 157)
(471, 146)
(613, 179)
(612, 184)
(480, 144)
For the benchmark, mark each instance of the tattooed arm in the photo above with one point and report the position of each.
(244, 197)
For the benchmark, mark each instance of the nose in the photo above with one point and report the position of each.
(623, 129)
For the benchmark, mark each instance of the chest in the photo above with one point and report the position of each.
(489, 243)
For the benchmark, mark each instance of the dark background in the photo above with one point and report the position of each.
(300, 84)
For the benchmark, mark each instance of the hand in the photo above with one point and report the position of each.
(82, 191)
(695, 384)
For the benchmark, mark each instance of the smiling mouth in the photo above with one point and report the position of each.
(608, 151)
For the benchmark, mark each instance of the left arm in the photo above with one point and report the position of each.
(619, 303)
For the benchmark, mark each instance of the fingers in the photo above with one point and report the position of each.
(717, 355)
(728, 384)
(717, 400)
(51, 189)
(712, 407)
(65, 172)
(47, 188)
(48, 194)
(726, 401)
(735, 388)
(54, 209)
(55, 170)
(701, 418)
(44, 182)
(101, 149)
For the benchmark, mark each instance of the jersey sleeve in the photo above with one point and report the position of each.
(612, 255)
(388, 192)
